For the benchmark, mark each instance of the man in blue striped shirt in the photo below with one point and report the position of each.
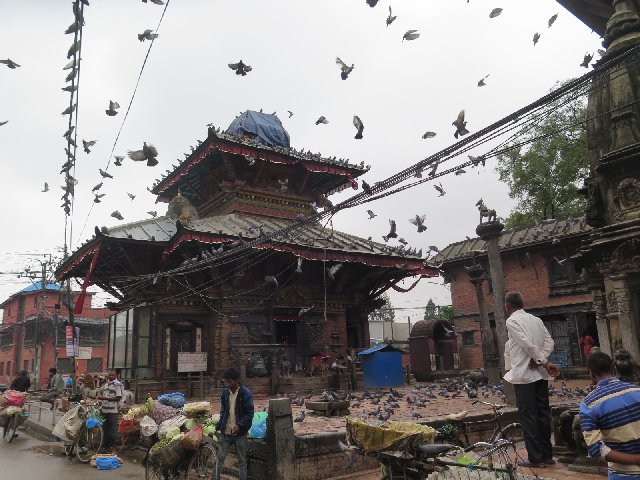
(610, 420)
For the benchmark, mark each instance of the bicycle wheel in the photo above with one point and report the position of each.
(512, 433)
(204, 463)
(10, 428)
(88, 443)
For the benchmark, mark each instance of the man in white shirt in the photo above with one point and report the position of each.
(110, 394)
(526, 352)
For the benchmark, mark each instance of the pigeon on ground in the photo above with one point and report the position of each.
(10, 63)
(428, 135)
(345, 69)
(371, 214)
(240, 68)
(552, 20)
(392, 231)
(113, 106)
(587, 60)
(333, 270)
(153, 213)
(418, 221)
(495, 12)
(440, 190)
(118, 160)
(45, 188)
(536, 38)
(105, 174)
(148, 153)
(131, 196)
(322, 120)
(410, 35)
(391, 18)
(147, 35)
(359, 125)
(87, 144)
(299, 418)
(461, 125)
(482, 83)
(117, 214)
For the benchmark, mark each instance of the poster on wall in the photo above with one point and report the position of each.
(73, 344)
(192, 362)
(84, 353)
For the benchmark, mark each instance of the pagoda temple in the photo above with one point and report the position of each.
(185, 304)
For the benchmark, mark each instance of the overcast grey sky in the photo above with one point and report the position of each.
(399, 89)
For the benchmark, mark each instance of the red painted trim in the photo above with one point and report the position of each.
(90, 251)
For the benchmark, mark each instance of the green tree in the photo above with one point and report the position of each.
(545, 179)
(385, 313)
(445, 313)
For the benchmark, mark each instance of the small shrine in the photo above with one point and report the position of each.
(434, 349)
(290, 302)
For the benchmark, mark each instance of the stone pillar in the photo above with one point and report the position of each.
(627, 323)
(602, 324)
(490, 233)
(281, 464)
(477, 275)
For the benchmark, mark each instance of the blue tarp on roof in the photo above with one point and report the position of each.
(263, 127)
(38, 287)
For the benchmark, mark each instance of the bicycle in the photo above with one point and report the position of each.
(201, 464)
(87, 442)
(13, 422)
(460, 427)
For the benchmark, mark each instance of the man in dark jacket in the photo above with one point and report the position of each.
(21, 383)
(236, 415)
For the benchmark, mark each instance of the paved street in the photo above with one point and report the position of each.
(30, 459)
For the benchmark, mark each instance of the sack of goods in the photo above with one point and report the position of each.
(163, 412)
(197, 409)
(15, 398)
(167, 453)
(192, 439)
(148, 426)
(14, 411)
(175, 399)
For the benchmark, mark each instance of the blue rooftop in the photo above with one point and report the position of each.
(37, 287)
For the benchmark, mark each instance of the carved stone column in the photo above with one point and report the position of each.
(600, 306)
(625, 316)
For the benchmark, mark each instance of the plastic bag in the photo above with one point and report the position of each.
(169, 424)
(68, 425)
(163, 412)
(107, 463)
(258, 430)
(148, 426)
(197, 409)
(92, 423)
(192, 439)
(15, 398)
(175, 399)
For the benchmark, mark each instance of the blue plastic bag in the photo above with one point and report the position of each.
(107, 463)
(92, 423)
(258, 428)
(175, 399)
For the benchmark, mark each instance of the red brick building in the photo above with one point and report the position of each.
(32, 328)
(537, 263)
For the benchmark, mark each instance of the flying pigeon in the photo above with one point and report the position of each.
(69, 110)
(117, 215)
(290, 113)
(371, 214)
(148, 153)
(113, 106)
(461, 125)
(322, 120)
(98, 197)
(403, 241)
(9, 63)
(97, 187)
(410, 35)
(359, 125)
(271, 281)
(587, 59)
(478, 160)
(4, 123)
(45, 188)
(131, 196)
(461, 171)
(153, 213)
(157, 2)
(147, 35)
(372, 3)
(105, 174)
(366, 188)
(304, 310)
(482, 83)
(418, 221)
(495, 12)
(241, 68)
(536, 38)
(87, 144)
(560, 262)
(118, 160)
(428, 135)
(392, 231)
(434, 249)
(552, 20)
(333, 270)
(70, 88)
(391, 18)
(440, 190)
(345, 70)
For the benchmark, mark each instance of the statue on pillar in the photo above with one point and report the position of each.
(486, 212)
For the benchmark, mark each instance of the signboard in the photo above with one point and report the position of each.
(85, 353)
(73, 345)
(192, 362)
